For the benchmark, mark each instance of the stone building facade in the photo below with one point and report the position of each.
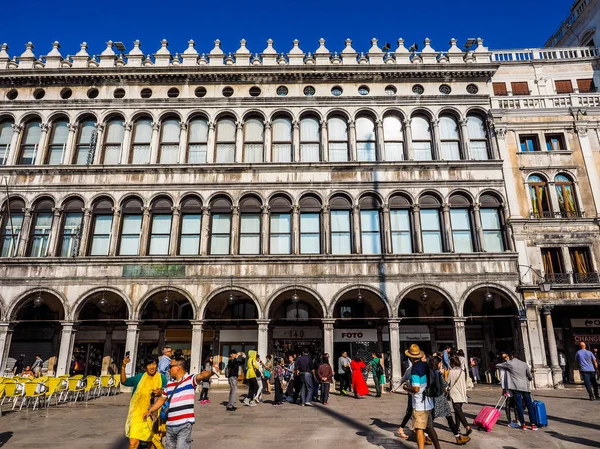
(330, 201)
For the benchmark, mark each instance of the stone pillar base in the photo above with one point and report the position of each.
(557, 379)
(542, 378)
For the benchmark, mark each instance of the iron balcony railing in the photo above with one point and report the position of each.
(572, 278)
(560, 214)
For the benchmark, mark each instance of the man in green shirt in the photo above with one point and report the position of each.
(378, 373)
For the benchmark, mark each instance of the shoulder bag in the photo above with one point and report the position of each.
(164, 410)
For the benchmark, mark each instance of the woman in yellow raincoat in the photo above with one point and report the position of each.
(252, 369)
(146, 386)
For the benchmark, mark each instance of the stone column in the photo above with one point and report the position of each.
(145, 231)
(183, 143)
(408, 144)
(324, 142)
(239, 142)
(356, 230)
(25, 231)
(131, 345)
(436, 147)
(295, 229)
(326, 213)
(263, 337)
(114, 231)
(541, 374)
(478, 243)
(590, 165)
(5, 340)
(53, 241)
(464, 139)
(552, 349)
(39, 156)
(235, 230)
(387, 230)
(394, 325)
(524, 340)
(84, 231)
(154, 143)
(175, 230)
(67, 339)
(417, 231)
(352, 140)
(13, 150)
(204, 237)
(267, 152)
(380, 142)
(99, 139)
(448, 228)
(460, 334)
(296, 141)
(328, 324)
(126, 148)
(196, 353)
(69, 146)
(264, 230)
(210, 143)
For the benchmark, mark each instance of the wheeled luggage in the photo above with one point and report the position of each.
(540, 418)
(488, 416)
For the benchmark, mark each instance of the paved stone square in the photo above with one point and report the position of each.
(345, 423)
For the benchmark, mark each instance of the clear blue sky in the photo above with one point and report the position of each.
(502, 24)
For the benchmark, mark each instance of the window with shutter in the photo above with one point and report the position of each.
(563, 87)
(500, 89)
(520, 88)
(586, 85)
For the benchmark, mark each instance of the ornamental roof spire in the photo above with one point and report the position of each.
(190, 55)
(82, 57)
(296, 55)
(162, 57)
(216, 55)
(4, 57)
(27, 58)
(243, 55)
(135, 58)
(54, 58)
(108, 56)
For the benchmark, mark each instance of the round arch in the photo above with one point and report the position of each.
(227, 113)
(254, 113)
(393, 111)
(281, 193)
(493, 193)
(366, 112)
(111, 115)
(171, 113)
(83, 299)
(85, 115)
(439, 290)
(376, 291)
(158, 195)
(338, 113)
(187, 195)
(233, 288)
(127, 196)
(460, 192)
(142, 114)
(510, 296)
(144, 301)
(449, 110)
(422, 111)
(282, 112)
(289, 288)
(342, 193)
(23, 297)
(197, 113)
(402, 193)
(257, 196)
(28, 117)
(372, 193)
(220, 194)
(310, 113)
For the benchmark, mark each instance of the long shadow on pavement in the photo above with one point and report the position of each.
(4, 437)
(579, 440)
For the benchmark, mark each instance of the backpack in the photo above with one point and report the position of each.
(435, 385)
(379, 370)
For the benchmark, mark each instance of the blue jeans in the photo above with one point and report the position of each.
(519, 396)
(307, 393)
(590, 382)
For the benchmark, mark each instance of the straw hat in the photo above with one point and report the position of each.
(414, 352)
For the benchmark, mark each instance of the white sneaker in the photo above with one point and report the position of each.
(246, 401)
(252, 404)
(308, 403)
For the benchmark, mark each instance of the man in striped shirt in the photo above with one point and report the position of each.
(180, 393)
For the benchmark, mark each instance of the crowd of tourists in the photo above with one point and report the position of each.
(162, 403)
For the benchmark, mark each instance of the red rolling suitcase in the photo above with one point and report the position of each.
(488, 416)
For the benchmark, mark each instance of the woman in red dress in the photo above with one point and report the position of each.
(359, 386)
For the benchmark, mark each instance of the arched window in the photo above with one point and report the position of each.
(82, 148)
(565, 192)
(310, 140)
(197, 141)
(250, 224)
(310, 225)
(449, 138)
(400, 220)
(191, 226)
(254, 135)
(431, 224)
(6, 134)
(297, 312)
(70, 234)
(225, 141)
(338, 139)
(365, 139)
(142, 137)
(169, 141)
(12, 222)
(421, 138)
(370, 227)
(478, 138)
(41, 225)
(282, 139)
(58, 142)
(393, 138)
(30, 142)
(220, 229)
(492, 224)
(461, 223)
(160, 229)
(113, 141)
(341, 225)
(102, 218)
(280, 226)
(131, 228)
(540, 202)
